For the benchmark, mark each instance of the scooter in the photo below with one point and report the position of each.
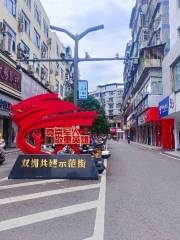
(2, 155)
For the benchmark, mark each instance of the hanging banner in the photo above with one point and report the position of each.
(83, 89)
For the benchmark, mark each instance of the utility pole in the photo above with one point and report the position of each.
(76, 59)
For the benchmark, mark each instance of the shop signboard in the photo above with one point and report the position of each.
(167, 106)
(164, 107)
(151, 115)
(30, 87)
(172, 103)
(83, 89)
(10, 76)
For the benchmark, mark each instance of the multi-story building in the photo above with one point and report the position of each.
(170, 105)
(25, 34)
(143, 89)
(110, 97)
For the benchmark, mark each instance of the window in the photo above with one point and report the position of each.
(62, 74)
(176, 76)
(156, 87)
(111, 93)
(178, 31)
(36, 65)
(44, 50)
(36, 39)
(44, 73)
(110, 99)
(46, 28)
(57, 50)
(26, 23)
(9, 40)
(24, 50)
(110, 112)
(11, 6)
(28, 3)
(111, 105)
(37, 14)
(178, 3)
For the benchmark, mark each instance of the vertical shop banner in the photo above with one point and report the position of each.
(83, 89)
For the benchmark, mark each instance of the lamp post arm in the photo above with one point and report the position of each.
(63, 30)
(92, 29)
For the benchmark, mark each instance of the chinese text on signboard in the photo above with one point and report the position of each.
(53, 163)
(67, 136)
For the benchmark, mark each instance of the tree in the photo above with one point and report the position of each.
(100, 125)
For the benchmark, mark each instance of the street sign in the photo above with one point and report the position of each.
(83, 89)
(68, 166)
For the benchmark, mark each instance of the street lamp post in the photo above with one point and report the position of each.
(76, 59)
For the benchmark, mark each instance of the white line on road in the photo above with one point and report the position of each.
(46, 194)
(100, 214)
(24, 184)
(176, 158)
(46, 215)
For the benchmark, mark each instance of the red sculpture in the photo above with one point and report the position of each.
(46, 111)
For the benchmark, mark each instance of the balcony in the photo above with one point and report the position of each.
(143, 71)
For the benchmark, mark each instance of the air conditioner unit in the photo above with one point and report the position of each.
(3, 28)
(49, 41)
(6, 46)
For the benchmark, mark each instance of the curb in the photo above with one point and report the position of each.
(146, 147)
(171, 155)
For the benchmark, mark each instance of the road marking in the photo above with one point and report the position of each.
(100, 214)
(176, 158)
(46, 215)
(46, 194)
(24, 184)
(3, 179)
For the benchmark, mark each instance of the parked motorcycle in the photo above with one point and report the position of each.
(2, 146)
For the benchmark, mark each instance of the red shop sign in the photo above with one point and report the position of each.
(10, 76)
(151, 115)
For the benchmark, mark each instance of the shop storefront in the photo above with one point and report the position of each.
(153, 130)
(10, 93)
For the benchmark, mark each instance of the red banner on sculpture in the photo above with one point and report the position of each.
(66, 135)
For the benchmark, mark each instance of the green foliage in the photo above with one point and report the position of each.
(100, 125)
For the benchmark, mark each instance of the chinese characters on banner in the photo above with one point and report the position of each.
(10, 76)
(67, 136)
(53, 163)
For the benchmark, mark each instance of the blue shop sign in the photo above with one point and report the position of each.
(164, 107)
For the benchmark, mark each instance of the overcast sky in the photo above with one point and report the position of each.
(78, 15)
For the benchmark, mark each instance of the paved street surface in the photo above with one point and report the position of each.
(141, 190)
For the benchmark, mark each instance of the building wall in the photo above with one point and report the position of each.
(45, 72)
(110, 97)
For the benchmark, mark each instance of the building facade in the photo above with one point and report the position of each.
(25, 34)
(110, 97)
(170, 105)
(143, 90)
